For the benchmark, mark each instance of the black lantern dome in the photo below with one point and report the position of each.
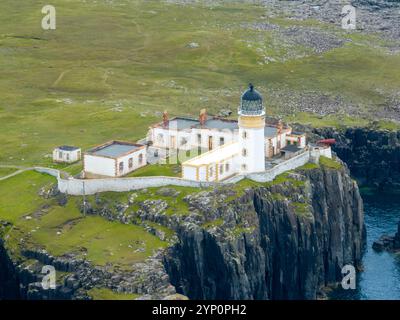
(251, 103)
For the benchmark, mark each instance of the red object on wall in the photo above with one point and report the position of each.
(327, 141)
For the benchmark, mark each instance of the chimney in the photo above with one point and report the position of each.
(165, 118)
(203, 117)
(280, 126)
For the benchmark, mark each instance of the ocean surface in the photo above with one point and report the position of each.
(380, 278)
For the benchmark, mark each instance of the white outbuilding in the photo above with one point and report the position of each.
(66, 154)
(114, 159)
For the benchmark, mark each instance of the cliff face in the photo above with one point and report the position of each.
(286, 239)
(279, 241)
(373, 156)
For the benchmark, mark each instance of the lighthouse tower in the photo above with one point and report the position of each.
(251, 132)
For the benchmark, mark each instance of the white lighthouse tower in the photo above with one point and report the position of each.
(251, 132)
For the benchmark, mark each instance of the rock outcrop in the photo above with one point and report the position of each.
(284, 241)
(387, 242)
(373, 156)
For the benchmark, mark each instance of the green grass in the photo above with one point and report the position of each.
(60, 230)
(301, 209)
(284, 178)
(105, 242)
(317, 121)
(108, 294)
(329, 163)
(74, 169)
(240, 230)
(6, 171)
(19, 194)
(169, 170)
(213, 223)
(308, 166)
(278, 196)
(176, 205)
(109, 69)
(168, 232)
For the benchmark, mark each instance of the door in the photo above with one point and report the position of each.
(173, 142)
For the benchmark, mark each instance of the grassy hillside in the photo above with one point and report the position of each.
(39, 222)
(111, 67)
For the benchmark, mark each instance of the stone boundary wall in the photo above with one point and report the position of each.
(91, 186)
(53, 172)
(290, 164)
(74, 186)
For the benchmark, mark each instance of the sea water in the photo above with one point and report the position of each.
(380, 278)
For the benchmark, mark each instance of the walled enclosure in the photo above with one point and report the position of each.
(76, 187)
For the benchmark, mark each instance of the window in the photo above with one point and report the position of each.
(210, 172)
(130, 163)
(199, 138)
(141, 158)
(244, 152)
(121, 166)
(221, 141)
(226, 167)
(60, 154)
(221, 169)
(160, 138)
(244, 167)
(67, 156)
(244, 134)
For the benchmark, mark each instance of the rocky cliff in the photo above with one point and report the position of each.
(373, 156)
(285, 240)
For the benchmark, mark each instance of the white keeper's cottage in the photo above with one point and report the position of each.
(114, 159)
(66, 154)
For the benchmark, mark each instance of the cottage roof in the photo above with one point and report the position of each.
(291, 148)
(67, 148)
(115, 149)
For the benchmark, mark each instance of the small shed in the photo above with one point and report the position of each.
(114, 159)
(66, 154)
(291, 150)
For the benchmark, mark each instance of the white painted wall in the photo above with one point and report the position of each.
(99, 165)
(290, 164)
(135, 162)
(66, 156)
(189, 172)
(191, 136)
(203, 173)
(92, 186)
(227, 135)
(159, 136)
(254, 143)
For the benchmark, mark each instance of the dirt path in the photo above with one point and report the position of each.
(19, 170)
(60, 78)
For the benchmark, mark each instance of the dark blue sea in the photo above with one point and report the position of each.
(380, 278)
